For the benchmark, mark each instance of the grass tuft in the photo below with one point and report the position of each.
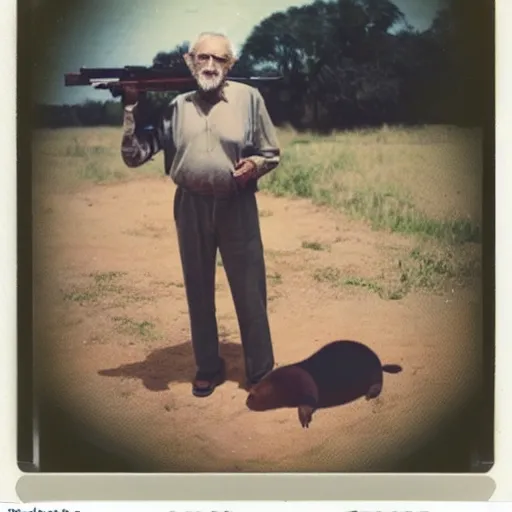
(416, 271)
(314, 246)
(143, 329)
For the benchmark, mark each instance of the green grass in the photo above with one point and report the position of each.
(417, 271)
(383, 209)
(389, 177)
(275, 278)
(82, 296)
(101, 284)
(383, 177)
(106, 277)
(140, 329)
(104, 287)
(66, 159)
(422, 182)
(386, 211)
(314, 246)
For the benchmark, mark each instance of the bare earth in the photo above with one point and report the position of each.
(113, 336)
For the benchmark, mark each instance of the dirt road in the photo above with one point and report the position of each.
(113, 335)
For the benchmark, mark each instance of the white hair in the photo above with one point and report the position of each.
(207, 34)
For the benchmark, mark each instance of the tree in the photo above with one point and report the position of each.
(334, 57)
(348, 63)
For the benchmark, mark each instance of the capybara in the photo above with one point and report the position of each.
(338, 373)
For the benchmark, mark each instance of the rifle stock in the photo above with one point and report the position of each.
(145, 79)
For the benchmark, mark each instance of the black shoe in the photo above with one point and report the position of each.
(205, 383)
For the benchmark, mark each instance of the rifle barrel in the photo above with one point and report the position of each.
(149, 78)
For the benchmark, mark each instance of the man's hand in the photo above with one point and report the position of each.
(245, 170)
(130, 95)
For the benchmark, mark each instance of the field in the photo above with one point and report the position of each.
(372, 236)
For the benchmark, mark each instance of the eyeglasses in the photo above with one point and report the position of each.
(205, 57)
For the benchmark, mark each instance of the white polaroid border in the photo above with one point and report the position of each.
(234, 487)
(9, 472)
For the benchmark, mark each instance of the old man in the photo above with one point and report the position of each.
(217, 141)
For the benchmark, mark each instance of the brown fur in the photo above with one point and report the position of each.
(338, 373)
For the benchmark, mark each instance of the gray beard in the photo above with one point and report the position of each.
(208, 84)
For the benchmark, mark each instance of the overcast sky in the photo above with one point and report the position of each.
(102, 33)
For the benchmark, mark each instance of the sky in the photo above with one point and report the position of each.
(115, 33)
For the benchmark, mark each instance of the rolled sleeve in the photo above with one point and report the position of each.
(138, 145)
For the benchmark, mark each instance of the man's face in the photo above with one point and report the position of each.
(211, 62)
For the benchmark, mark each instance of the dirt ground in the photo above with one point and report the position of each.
(113, 336)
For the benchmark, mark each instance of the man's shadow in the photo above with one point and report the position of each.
(348, 371)
(176, 364)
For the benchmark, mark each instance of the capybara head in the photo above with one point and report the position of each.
(278, 389)
(263, 396)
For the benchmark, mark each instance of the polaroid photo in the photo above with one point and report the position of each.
(255, 243)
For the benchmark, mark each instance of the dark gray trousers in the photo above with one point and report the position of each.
(205, 224)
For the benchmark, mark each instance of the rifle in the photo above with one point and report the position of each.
(145, 78)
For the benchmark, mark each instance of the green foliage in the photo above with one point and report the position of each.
(89, 113)
(349, 63)
(345, 63)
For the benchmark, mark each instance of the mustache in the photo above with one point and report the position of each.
(210, 71)
(211, 67)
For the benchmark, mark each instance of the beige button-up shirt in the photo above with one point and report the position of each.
(202, 143)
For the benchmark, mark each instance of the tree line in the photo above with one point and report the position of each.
(345, 64)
